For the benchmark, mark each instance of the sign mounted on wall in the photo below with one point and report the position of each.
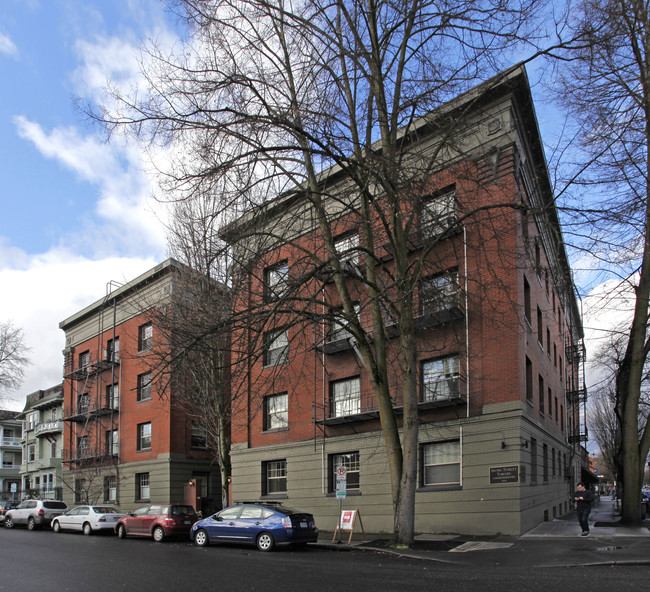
(508, 474)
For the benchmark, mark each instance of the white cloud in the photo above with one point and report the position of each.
(7, 46)
(128, 220)
(38, 295)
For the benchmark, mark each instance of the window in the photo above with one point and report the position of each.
(110, 489)
(83, 403)
(542, 393)
(83, 448)
(112, 353)
(144, 436)
(275, 477)
(346, 397)
(529, 381)
(198, 435)
(347, 248)
(440, 463)
(113, 396)
(438, 214)
(276, 412)
(340, 327)
(276, 347)
(550, 403)
(562, 417)
(53, 449)
(349, 460)
(439, 293)
(32, 421)
(276, 280)
(84, 360)
(80, 494)
(142, 487)
(48, 483)
(552, 462)
(145, 337)
(144, 387)
(440, 379)
(533, 460)
(540, 328)
(548, 342)
(545, 462)
(556, 415)
(112, 443)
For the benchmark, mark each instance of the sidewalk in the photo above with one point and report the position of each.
(556, 543)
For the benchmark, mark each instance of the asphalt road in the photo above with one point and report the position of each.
(48, 562)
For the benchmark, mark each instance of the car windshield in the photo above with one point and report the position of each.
(104, 510)
(55, 505)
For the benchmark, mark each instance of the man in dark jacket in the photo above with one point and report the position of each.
(583, 498)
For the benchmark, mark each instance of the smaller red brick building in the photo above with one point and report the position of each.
(126, 439)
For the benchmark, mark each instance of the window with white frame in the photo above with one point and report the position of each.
(349, 460)
(274, 477)
(84, 360)
(48, 483)
(144, 436)
(276, 347)
(145, 337)
(346, 397)
(144, 387)
(276, 280)
(440, 462)
(340, 326)
(276, 412)
(142, 487)
(110, 488)
(83, 447)
(438, 214)
(347, 248)
(198, 435)
(113, 350)
(112, 442)
(113, 396)
(439, 293)
(31, 452)
(440, 379)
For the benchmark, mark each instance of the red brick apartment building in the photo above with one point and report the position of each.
(499, 342)
(126, 439)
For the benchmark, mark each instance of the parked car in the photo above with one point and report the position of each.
(260, 524)
(158, 521)
(87, 519)
(4, 508)
(35, 513)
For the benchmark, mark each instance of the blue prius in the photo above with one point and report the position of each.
(260, 524)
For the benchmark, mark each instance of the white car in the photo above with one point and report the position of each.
(87, 519)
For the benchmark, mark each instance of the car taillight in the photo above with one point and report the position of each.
(286, 522)
(41, 512)
(170, 521)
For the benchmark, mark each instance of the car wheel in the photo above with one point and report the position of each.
(265, 541)
(121, 531)
(56, 527)
(87, 529)
(31, 523)
(158, 534)
(9, 523)
(201, 538)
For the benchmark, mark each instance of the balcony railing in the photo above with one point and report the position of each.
(86, 454)
(11, 441)
(48, 427)
(92, 365)
(364, 406)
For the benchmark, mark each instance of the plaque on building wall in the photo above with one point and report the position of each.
(504, 474)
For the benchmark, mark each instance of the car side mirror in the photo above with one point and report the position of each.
(217, 518)
(130, 514)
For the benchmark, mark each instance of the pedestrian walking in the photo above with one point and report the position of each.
(583, 498)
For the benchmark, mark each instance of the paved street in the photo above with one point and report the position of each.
(72, 562)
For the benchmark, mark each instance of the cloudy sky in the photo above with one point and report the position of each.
(75, 210)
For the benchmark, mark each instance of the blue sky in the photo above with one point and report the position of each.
(75, 211)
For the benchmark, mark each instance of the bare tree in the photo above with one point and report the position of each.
(606, 87)
(13, 356)
(270, 94)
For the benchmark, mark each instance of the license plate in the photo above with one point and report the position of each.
(304, 525)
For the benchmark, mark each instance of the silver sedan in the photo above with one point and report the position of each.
(87, 519)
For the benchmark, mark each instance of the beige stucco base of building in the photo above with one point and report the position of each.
(497, 493)
(167, 480)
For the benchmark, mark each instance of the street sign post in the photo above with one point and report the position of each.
(341, 489)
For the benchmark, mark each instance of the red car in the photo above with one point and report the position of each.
(158, 521)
